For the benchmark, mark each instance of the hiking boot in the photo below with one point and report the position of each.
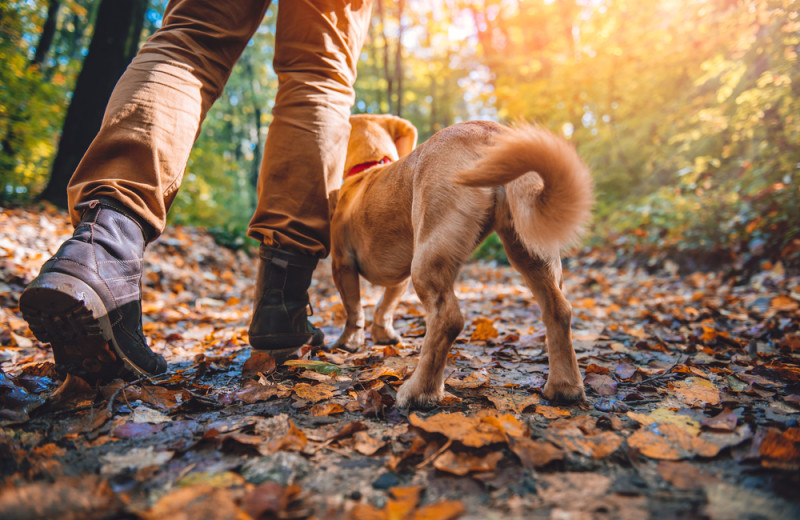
(87, 300)
(280, 319)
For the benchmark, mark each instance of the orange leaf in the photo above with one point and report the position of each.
(325, 409)
(367, 445)
(551, 412)
(445, 510)
(462, 463)
(314, 393)
(469, 431)
(484, 330)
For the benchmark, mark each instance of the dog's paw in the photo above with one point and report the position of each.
(350, 341)
(411, 396)
(384, 335)
(565, 393)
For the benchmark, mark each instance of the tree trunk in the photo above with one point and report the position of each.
(118, 27)
(48, 32)
(398, 60)
(255, 89)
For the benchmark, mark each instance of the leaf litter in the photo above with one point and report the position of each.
(692, 379)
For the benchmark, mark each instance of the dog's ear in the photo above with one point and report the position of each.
(403, 133)
(333, 200)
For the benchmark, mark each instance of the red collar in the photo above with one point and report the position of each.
(358, 168)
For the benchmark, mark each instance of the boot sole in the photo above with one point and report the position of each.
(67, 313)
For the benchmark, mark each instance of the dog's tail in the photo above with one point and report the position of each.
(548, 188)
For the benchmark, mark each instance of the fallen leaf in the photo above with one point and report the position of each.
(510, 400)
(200, 502)
(602, 384)
(724, 421)
(534, 454)
(366, 445)
(475, 379)
(468, 430)
(131, 430)
(551, 412)
(68, 498)
(322, 367)
(403, 501)
(670, 442)
(326, 409)
(682, 475)
(259, 362)
(271, 500)
(254, 392)
(142, 414)
(294, 440)
(484, 330)
(696, 392)
(314, 393)
(444, 510)
(135, 458)
(462, 463)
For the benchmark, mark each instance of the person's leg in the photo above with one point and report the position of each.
(155, 111)
(86, 301)
(317, 47)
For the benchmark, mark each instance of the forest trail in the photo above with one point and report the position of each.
(693, 386)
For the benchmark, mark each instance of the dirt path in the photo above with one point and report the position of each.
(693, 388)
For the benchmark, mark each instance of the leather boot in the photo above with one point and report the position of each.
(280, 319)
(87, 300)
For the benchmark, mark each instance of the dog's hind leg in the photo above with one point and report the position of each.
(345, 276)
(433, 278)
(382, 329)
(543, 277)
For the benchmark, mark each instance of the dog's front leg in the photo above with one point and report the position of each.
(425, 387)
(345, 276)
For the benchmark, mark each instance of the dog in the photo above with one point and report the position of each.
(406, 213)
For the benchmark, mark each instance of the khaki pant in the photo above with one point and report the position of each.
(155, 112)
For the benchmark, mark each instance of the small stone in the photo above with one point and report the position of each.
(386, 481)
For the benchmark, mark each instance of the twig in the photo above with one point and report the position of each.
(120, 389)
(435, 455)
(656, 377)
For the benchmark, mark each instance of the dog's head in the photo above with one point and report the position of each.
(374, 137)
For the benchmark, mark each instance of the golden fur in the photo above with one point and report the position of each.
(423, 215)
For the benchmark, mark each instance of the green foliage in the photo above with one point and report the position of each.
(491, 249)
(687, 111)
(31, 108)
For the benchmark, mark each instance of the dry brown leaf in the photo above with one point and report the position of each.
(510, 400)
(314, 393)
(470, 431)
(682, 475)
(294, 440)
(366, 445)
(475, 379)
(534, 454)
(259, 362)
(696, 392)
(779, 447)
(325, 409)
(551, 412)
(670, 442)
(200, 502)
(462, 463)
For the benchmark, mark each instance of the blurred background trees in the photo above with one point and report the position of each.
(687, 110)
